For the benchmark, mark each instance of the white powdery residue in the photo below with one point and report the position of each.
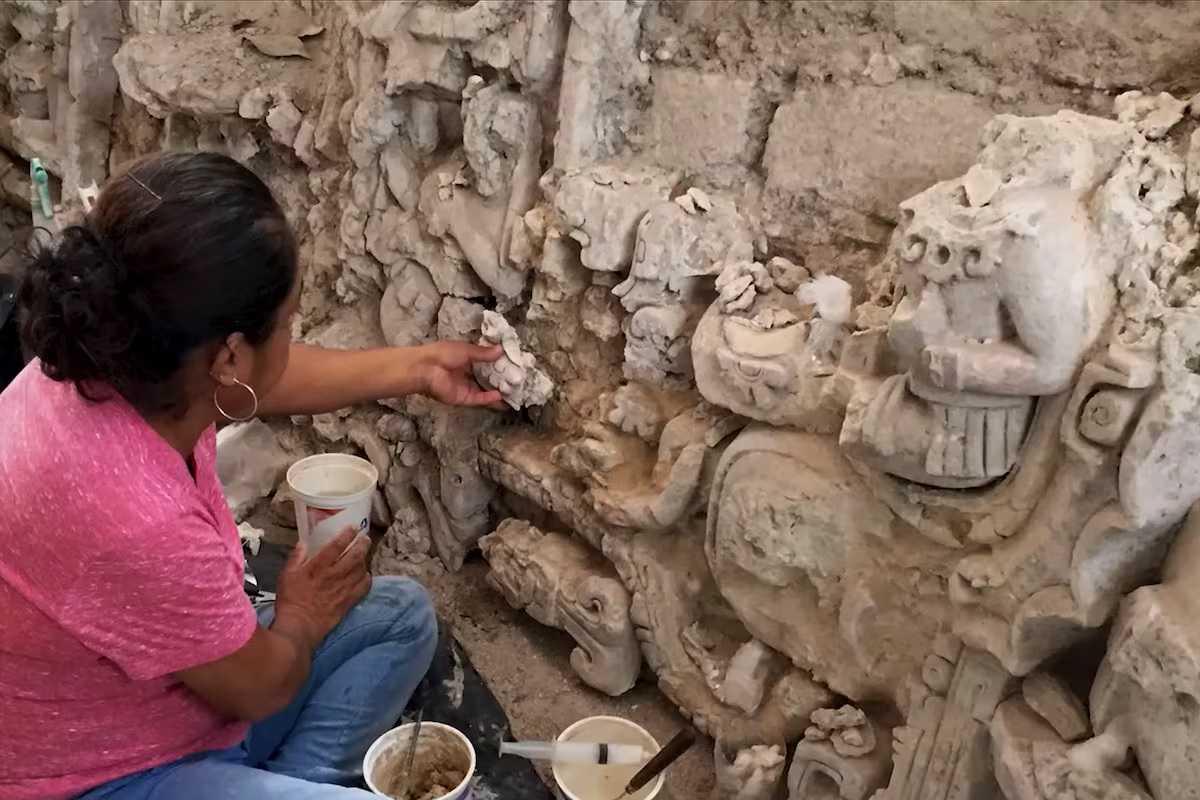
(830, 294)
(481, 791)
(456, 684)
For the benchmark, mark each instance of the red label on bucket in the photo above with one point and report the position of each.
(318, 515)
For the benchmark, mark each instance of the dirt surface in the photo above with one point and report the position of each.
(526, 665)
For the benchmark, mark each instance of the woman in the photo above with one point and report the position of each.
(131, 663)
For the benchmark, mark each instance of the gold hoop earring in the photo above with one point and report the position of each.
(231, 417)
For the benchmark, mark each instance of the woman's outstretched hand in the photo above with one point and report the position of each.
(447, 374)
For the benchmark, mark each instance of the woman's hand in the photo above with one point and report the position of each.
(447, 376)
(315, 593)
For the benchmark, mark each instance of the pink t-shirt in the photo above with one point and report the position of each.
(117, 569)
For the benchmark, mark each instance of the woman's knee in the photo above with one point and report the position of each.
(408, 604)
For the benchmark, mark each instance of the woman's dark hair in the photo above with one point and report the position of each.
(181, 250)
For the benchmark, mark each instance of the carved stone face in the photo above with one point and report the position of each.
(996, 275)
(675, 257)
(1001, 301)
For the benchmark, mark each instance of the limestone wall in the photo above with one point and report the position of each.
(850, 344)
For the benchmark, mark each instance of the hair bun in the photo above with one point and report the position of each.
(73, 316)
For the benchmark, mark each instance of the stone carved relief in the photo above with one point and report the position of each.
(1013, 400)
(672, 599)
(763, 351)
(476, 200)
(1002, 291)
(944, 749)
(454, 491)
(561, 582)
(601, 209)
(688, 639)
(843, 755)
(678, 251)
(632, 486)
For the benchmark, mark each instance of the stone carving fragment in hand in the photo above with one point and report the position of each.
(515, 375)
(561, 582)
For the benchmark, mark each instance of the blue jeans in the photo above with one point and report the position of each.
(362, 677)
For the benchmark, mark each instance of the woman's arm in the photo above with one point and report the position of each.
(263, 676)
(318, 381)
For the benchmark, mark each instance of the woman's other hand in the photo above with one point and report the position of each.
(447, 376)
(315, 593)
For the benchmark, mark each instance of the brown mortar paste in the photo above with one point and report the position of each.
(440, 764)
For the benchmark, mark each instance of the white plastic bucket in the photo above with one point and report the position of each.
(392, 747)
(592, 782)
(332, 492)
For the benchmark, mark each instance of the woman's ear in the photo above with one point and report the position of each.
(231, 360)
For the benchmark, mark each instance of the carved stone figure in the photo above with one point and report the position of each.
(658, 489)
(476, 200)
(760, 351)
(602, 207)
(819, 569)
(561, 582)
(515, 375)
(678, 251)
(1002, 290)
(843, 755)
(455, 493)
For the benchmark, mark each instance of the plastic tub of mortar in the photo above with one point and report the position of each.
(592, 782)
(332, 492)
(384, 761)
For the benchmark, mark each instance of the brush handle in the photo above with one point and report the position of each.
(680, 744)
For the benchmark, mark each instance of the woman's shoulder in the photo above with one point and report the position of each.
(83, 460)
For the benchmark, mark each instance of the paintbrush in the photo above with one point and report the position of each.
(662, 759)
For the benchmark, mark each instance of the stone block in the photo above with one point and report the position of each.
(95, 38)
(1054, 702)
(864, 149)
(427, 67)
(703, 122)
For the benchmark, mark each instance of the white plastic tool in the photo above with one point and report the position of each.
(576, 752)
